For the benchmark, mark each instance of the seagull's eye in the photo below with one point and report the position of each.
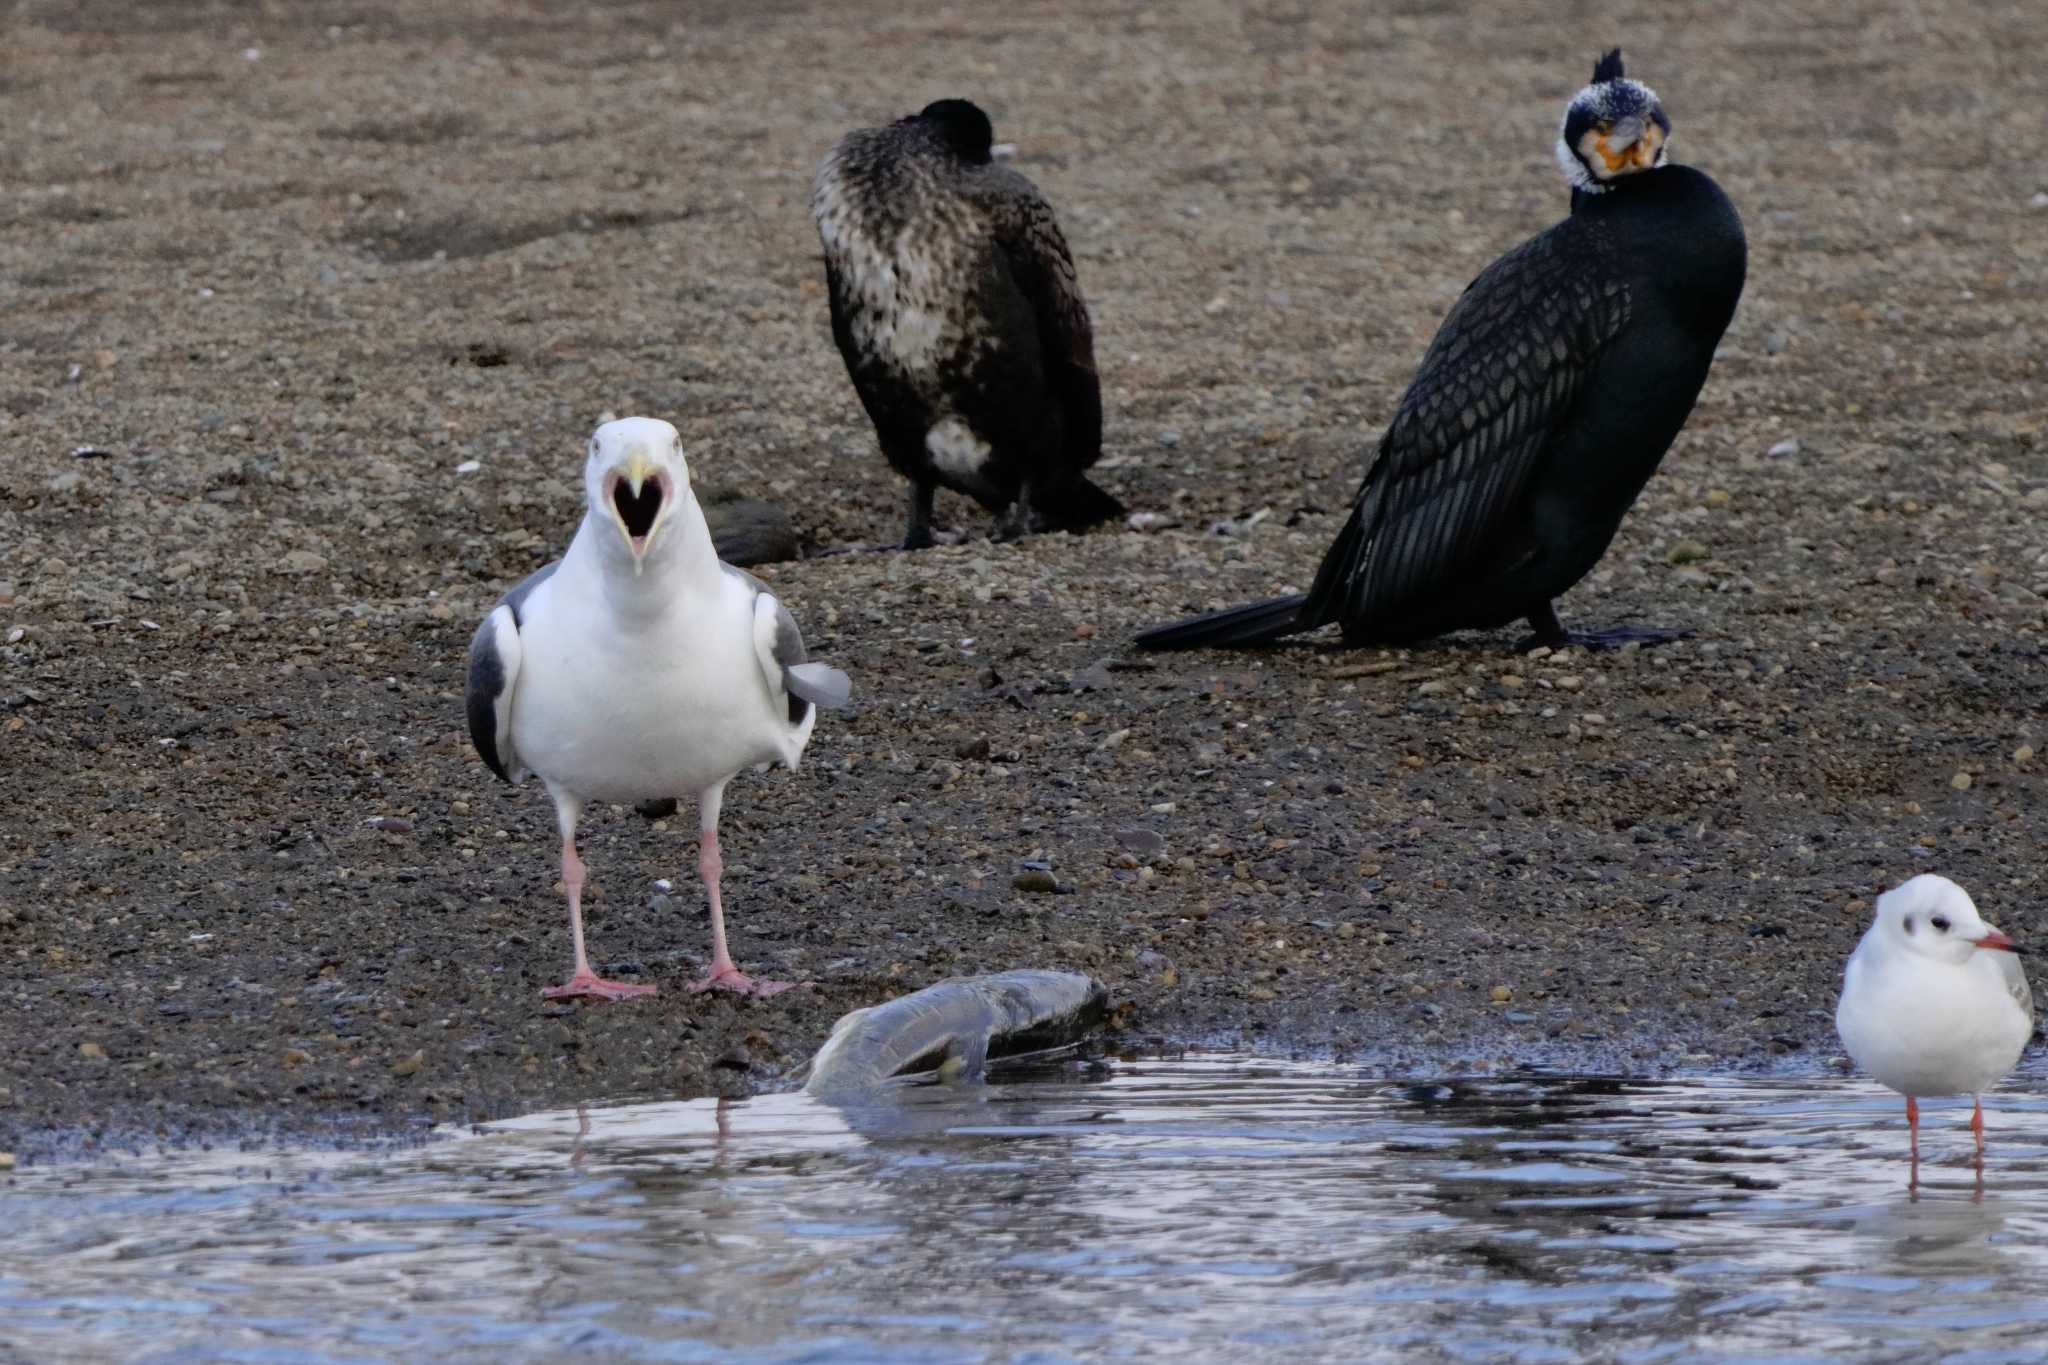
(1940, 923)
(1909, 924)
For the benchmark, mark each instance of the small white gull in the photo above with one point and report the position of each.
(639, 666)
(1933, 1000)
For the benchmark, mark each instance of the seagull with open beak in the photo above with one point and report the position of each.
(1934, 1001)
(640, 667)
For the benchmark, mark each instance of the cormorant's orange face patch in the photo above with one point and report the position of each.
(1639, 155)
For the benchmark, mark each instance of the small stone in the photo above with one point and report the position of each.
(469, 466)
(409, 1066)
(2023, 754)
(1775, 343)
(1717, 497)
(92, 1052)
(1347, 931)
(1783, 450)
(6, 1161)
(1259, 995)
(390, 824)
(1961, 782)
(1500, 995)
(1911, 808)
(1086, 630)
(736, 1058)
(67, 482)
(749, 531)
(1163, 807)
(1687, 552)
(1143, 842)
(1857, 906)
(295, 1057)
(1035, 880)
(302, 562)
(16, 635)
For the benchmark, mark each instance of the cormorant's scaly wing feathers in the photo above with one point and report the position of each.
(1502, 375)
(1043, 269)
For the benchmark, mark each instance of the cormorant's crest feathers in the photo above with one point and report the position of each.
(964, 126)
(1608, 68)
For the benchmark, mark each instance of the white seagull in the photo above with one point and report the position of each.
(639, 666)
(1934, 1001)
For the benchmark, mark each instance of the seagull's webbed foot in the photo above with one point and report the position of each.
(739, 983)
(588, 985)
(1551, 632)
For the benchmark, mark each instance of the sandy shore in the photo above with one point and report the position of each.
(286, 269)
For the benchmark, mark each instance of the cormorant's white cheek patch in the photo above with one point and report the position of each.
(956, 450)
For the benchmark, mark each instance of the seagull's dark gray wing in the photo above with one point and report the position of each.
(1501, 377)
(494, 657)
(781, 646)
(1036, 252)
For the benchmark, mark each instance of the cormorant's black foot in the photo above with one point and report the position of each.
(924, 537)
(1017, 521)
(1613, 637)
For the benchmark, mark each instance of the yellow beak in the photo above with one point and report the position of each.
(640, 468)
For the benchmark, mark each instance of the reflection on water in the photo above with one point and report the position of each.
(1210, 1207)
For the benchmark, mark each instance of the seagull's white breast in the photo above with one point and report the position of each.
(627, 709)
(1925, 1027)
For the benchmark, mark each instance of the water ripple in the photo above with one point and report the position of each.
(1198, 1208)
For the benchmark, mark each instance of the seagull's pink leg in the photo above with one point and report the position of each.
(582, 983)
(724, 975)
(1977, 1124)
(1913, 1127)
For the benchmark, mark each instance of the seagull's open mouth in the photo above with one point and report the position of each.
(637, 511)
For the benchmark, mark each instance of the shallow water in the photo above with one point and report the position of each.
(1207, 1207)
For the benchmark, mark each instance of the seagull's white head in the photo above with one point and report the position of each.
(1933, 917)
(636, 479)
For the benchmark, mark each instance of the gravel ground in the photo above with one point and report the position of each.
(288, 270)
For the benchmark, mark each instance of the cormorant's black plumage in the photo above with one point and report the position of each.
(1545, 402)
(956, 308)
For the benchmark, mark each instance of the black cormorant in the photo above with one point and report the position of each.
(1541, 409)
(955, 306)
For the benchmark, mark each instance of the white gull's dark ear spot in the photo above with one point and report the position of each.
(1909, 924)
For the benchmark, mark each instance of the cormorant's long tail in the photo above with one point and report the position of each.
(1255, 623)
(1075, 505)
